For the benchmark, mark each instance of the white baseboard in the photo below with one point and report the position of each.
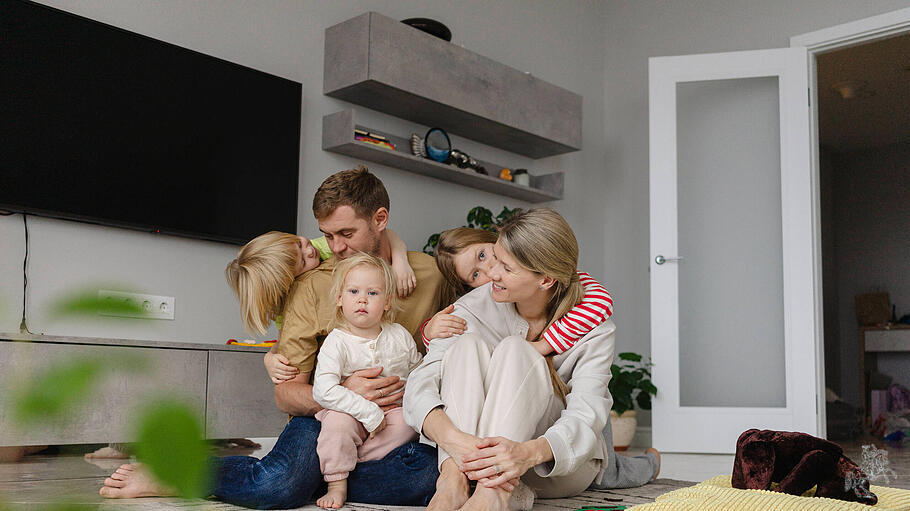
(642, 437)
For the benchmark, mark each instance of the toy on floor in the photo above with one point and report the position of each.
(797, 462)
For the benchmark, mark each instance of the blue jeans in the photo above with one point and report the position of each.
(289, 476)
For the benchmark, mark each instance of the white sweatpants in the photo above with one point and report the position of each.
(506, 392)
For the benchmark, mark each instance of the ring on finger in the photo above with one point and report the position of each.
(496, 469)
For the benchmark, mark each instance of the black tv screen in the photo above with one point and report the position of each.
(107, 126)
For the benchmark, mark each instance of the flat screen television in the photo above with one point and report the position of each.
(103, 125)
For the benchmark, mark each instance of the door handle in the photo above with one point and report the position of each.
(661, 259)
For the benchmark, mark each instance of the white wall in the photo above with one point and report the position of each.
(636, 30)
(871, 227)
(561, 42)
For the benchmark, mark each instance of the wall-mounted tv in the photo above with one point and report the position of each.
(103, 125)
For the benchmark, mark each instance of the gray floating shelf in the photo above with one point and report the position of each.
(383, 64)
(338, 137)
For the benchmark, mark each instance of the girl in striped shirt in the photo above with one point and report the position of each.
(463, 255)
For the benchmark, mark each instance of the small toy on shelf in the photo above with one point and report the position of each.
(374, 139)
(251, 342)
(506, 174)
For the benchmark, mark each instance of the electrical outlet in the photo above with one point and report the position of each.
(153, 306)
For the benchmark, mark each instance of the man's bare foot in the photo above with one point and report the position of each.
(131, 481)
(107, 453)
(451, 488)
(487, 499)
(16, 453)
(335, 497)
(656, 453)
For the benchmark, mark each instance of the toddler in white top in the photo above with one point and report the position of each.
(354, 428)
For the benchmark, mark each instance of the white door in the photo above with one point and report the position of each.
(733, 294)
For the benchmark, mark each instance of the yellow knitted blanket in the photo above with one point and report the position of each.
(717, 494)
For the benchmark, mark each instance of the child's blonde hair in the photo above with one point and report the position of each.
(261, 276)
(340, 273)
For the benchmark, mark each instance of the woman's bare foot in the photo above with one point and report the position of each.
(335, 497)
(656, 453)
(451, 488)
(487, 499)
(131, 481)
(107, 453)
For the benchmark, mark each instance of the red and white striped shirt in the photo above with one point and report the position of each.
(595, 308)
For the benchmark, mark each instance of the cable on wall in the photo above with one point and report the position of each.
(23, 325)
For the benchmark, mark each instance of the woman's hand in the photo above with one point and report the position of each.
(279, 368)
(498, 460)
(444, 324)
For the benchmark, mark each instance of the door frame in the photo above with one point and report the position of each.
(816, 43)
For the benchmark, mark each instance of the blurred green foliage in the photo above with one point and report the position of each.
(56, 390)
(89, 304)
(170, 434)
(63, 386)
(172, 446)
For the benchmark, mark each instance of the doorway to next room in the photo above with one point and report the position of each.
(864, 163)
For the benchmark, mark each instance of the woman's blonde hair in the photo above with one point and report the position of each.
(450, 243)
(340, 273)
(542, 241)
(261, 276)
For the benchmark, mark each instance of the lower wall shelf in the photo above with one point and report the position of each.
(338, 137)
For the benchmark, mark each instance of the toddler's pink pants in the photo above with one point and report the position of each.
(343, 441)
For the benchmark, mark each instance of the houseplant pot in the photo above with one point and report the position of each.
(629, 385)
(623, 429)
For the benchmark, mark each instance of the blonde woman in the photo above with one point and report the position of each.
(498, 411)
(464, 255)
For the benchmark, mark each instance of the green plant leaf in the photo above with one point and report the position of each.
(644, 400)
(634, 357)
(432, 241)
(622, 402)
(648, 387)
(171, 445)
(89, 304)
(55, 391)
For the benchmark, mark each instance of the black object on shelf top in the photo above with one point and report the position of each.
(431, 27)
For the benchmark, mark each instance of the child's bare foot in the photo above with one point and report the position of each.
(107, 453)
(132, 481)
(335, 497)
(487, 499)
(451, 488)
(656, 453)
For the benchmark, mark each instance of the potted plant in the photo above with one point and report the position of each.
(630, 385)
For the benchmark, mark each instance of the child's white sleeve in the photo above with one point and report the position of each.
(414, 356)
(329, 393)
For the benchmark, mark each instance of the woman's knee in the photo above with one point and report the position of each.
(468, 346)
(514, 348)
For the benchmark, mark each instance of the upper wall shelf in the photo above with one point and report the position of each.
(383, 64)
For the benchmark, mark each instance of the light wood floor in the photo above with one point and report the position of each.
(42, 479)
